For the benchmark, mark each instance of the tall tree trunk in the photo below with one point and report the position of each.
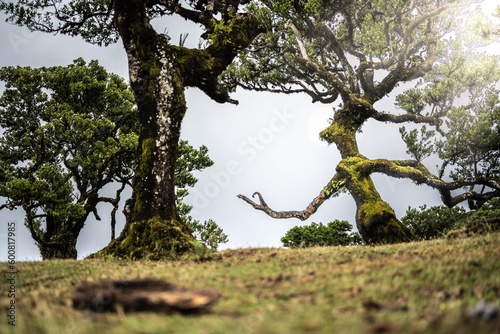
(57, 242)
(153, 226)
(375, 219)
(159, 72)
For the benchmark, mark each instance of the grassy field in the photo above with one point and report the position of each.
(424, 287)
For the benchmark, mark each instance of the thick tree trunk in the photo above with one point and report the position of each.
(375, 219)
(159, 72)
(153, 227)
(58, 241)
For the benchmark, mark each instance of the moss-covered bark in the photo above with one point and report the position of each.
(153, 227)
(152, 239)
(159, 73)
(375, 219)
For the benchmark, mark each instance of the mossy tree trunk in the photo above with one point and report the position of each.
(58, 240)
(159, 73)
(375, 219)
(60, 246)
(153, 227)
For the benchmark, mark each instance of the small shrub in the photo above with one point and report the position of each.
(476, 227)
(333, 234)
(434, 222)
(437, 221)
(490, 209)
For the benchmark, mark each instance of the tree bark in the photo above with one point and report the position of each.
(375, 219)
(159, 72)
(58, 241)
(153, 227)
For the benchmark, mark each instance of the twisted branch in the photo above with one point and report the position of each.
(334, 187)
(420, 174)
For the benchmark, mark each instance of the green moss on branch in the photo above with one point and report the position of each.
(375, 219)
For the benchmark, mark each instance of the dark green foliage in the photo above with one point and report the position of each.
(68, 132)
(92, 20)
(437, 221)
(190, 159)
(490, 209)
(333, 234)
(209, 233)
(418, 147)
(434, 222)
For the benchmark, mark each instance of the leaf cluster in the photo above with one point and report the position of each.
(67, 133)
(190, 159)
(418, 146)
(436, 221)
(209, 233)
(92, 20)
(334, 233)
(95, 21)
(330, 48)
(472, 145)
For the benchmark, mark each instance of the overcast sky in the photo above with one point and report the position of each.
(268, 143)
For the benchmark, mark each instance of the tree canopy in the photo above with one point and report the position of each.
(159, 72)
(360, 52)
(68, 132)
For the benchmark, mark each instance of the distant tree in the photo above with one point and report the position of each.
(68, 132)
(159, 72)
(357, 53)
(333, 234)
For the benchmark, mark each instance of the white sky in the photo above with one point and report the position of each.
(268, 143)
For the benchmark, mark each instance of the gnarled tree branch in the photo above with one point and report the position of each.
(420, 174)
(434, 121)
(333, 187)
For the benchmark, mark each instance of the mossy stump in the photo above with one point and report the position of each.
(152, 239)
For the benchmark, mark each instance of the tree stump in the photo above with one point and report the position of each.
(141, 295)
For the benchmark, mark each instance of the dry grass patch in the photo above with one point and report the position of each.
(413, 288)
